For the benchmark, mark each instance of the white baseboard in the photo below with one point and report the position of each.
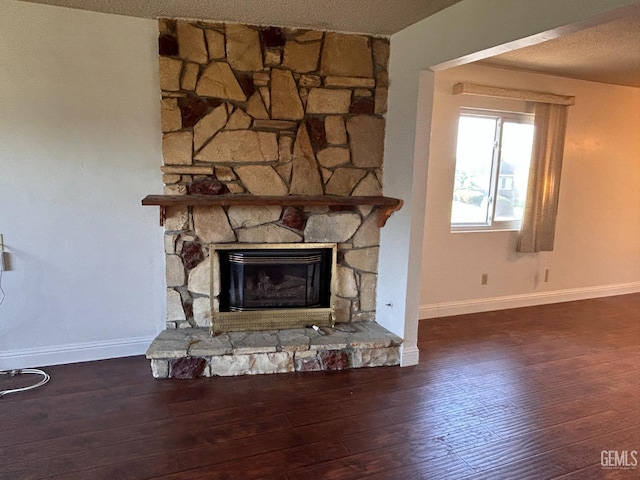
(410, 356)
(74, 353)
(462, 307)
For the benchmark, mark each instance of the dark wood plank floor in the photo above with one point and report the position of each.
(531, 393)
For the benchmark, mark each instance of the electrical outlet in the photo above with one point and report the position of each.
(4, 256)
(3, 266)
(485, 278)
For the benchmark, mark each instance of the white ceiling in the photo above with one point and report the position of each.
(608, 53)
(374, 17)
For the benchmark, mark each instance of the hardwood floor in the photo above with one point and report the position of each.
(531, 393)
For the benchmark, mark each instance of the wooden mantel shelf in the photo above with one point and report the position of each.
(387, 205)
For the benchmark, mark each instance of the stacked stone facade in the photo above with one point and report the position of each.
(268, 111)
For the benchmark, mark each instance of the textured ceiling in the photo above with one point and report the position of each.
(608, 53)
(375, 17)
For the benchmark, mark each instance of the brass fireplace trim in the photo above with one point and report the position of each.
(269, 319)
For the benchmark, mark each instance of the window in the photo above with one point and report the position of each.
(493, 154)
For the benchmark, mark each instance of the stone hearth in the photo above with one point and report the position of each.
(191, 353)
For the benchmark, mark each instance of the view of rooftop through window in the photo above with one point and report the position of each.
(493, 155)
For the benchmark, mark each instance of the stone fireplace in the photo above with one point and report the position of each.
(271, 137)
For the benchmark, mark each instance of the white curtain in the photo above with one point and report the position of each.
(538, 228)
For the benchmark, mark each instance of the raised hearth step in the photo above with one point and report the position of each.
(193, 352)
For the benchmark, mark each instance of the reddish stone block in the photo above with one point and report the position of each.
(167, 45)
(272, 37)
(246, 83)
(294, 218)
(362, 105)
(213, 102)
(308, 365)
(187, 367)
(192, 109)
(335, 360)
(207, 186)
(192, 254)
(317, 134)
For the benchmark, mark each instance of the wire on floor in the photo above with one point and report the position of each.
(13, 373)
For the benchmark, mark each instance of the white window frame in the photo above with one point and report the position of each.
(491, 224)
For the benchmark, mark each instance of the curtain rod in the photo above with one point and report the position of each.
(498, 92)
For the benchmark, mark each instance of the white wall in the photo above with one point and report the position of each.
(468, 30)
(597, 246)
(79, 149)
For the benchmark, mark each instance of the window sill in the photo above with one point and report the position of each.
(484, 229)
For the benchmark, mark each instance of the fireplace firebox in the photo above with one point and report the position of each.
(267, 286)
(262, 279)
